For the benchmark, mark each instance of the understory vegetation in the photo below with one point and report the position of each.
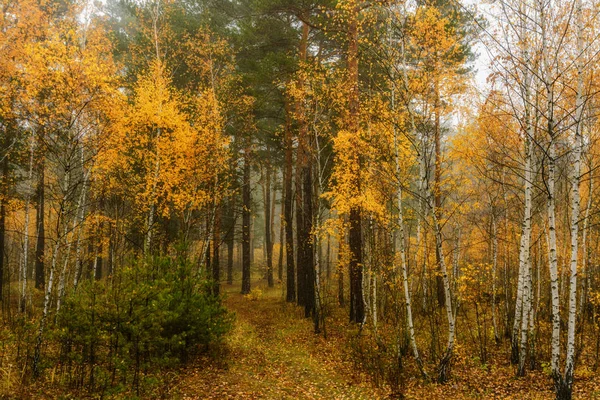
(399, 197)
(125, 335)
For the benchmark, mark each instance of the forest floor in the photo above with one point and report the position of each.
(272, 353)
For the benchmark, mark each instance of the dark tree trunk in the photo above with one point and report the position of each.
(252, 239)
(309, 266)
(301, 162)
(230, 239)
(3, 201)
(246, 199)
(300, 262)
(288, 212)
(328, 257)
(268, 241)
(230, 246)
(91, 258)
(41, 234)
(216, 266)
(100, 248)
(341, 288)
(99, 263)
(208, 250)
(281, 240)
(340, 274)
(357, 309)
(111, 253)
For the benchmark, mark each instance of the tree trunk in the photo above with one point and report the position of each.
(247, 204)
(437, 195)
(230, 238)
(444, 365)
(575, 206)
(301, 161)
(48, 293)
(79, 212)
(281, 236)
(357, 308)
(25, 262)
(268, 226)
(586, 251)
(494, 275)
(300, 272)
(523, 306)
(288, 212)
(41, 235)
(3, 200)
(552, 249)
(98, 262)
(407, 297)
(216, 265)
(308, 244)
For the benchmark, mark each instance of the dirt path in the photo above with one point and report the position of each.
(272, 353)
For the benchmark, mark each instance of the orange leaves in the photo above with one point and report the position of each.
(70, 69)
(475, 282)
(433, 35)
(369, 155)
(161, 155)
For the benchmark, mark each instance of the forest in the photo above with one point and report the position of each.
(299, 199)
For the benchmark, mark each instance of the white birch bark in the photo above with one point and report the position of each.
(77, 218)
(553, 261)
(150, 220)
(575, 205)
(524, 255)
(584, 242)
(447, 294)
(523, 304)
(525, 250)
(401, 243)
(521, 301)
(401, 236)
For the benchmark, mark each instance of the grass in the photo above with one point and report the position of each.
(272, 353)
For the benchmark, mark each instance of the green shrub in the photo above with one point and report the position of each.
(123, 331)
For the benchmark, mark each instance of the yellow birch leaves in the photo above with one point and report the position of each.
(162, 155)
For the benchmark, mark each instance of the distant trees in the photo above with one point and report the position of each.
(133, 134)
(108, 177)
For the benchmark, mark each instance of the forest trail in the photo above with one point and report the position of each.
(272, 353)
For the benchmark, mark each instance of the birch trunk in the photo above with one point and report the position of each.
(443, 367)
(401, 245)
(575, 205)
(521, 304)
(584, 242)
(48, 293)
(553, 261)
(48, 288)
(525, 254)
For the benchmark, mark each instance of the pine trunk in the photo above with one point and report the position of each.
(246, 207)
(268, 226)
(288, 213)
(357, 307)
